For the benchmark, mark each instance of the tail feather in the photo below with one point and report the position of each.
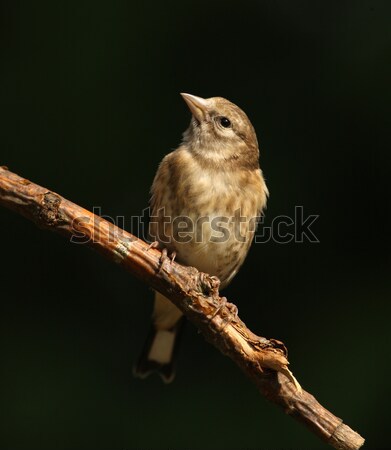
(159, 352)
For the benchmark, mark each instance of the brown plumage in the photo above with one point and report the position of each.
(206, 197)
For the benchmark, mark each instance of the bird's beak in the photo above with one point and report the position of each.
(197, 105)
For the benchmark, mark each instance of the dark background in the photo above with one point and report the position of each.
(89, 105)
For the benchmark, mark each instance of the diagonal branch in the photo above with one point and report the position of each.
(196, 294)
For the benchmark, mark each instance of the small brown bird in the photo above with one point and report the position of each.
(206, 198)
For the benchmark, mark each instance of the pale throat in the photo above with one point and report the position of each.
(214, 150)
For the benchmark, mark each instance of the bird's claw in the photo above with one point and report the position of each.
(154, 244)
(172, 256)
(164, 256)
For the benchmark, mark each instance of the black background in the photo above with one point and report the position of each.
(89, 106)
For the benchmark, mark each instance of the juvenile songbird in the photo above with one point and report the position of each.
(206, 197)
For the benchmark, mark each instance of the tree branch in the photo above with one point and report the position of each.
(263, 360)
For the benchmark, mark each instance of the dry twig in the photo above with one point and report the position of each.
(263, 360)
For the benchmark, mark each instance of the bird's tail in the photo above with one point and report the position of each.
(161, 345)
(159, 352)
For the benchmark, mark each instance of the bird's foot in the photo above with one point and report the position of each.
(166, 256)
(233, 310)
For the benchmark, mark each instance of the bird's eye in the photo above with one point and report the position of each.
(226, 123)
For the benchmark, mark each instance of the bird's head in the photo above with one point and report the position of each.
(220, 132)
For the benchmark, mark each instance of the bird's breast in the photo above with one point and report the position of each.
(212, 213)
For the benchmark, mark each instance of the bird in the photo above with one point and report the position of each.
(206, 199)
